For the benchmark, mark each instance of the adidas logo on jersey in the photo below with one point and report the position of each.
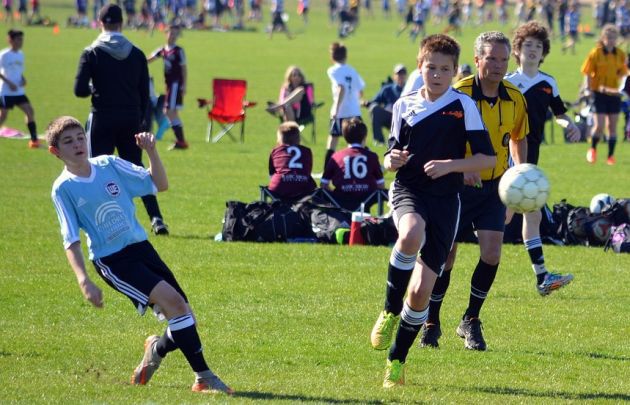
(81, 202)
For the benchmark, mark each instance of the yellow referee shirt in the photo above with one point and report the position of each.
(605, 68)
(505, 119)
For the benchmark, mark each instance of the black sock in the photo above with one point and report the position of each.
(480, 284)
(185, 336)
(151, 205)
(612, 141)
(594, 141)
(165, 345)
(410, 323)
(437, 295)
(535, 250)
(179, 132)
(329, 154)
(32, 129)
(398, 275)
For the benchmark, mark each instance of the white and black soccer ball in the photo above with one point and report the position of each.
(601, 202)
(524, 188)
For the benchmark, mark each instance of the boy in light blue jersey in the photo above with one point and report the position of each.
(96, 195)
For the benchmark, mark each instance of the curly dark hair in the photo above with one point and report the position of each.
(532, 29)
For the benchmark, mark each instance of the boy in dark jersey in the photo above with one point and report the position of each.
(430, 130)
(354, 171)
(290, 165)
(530, 47)
(175, 75)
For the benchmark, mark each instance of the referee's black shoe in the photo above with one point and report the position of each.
(158, 226)
(470, 331)
(430, 334)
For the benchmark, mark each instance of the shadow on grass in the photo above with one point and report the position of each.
(269, 396)
(191, 237)
(592, 355)
(523, 392)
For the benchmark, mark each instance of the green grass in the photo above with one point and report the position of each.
(286, 322)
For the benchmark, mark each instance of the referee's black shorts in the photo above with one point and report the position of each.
(109, 131)
(482, 209)
(134, 271)
(441, 215)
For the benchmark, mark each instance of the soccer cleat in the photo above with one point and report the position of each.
(158, 226)
(394, 374)
(611, 160)
(591, 155)
(150, 362)
(430, 334)
(33, 144)
(383, 330)
(470, 331)
(212, 385)
(552, 282)
(178, 145)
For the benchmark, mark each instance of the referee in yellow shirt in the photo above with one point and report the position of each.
(603, 69)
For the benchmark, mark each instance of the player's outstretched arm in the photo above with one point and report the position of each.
(146, 141)
(90, 291)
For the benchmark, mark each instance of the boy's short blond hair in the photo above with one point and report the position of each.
(58, 126)
(289, 133)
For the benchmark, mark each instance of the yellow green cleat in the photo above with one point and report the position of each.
(383, 330)
(394, 374)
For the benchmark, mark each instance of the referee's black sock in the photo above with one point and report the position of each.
(437, 296)
(184, 334)
(480, 284)
(32, 129)
(329, 154)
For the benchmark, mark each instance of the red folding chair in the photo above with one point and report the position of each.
(228, 106)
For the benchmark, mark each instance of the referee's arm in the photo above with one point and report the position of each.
(82, 80)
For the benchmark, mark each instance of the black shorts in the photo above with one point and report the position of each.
(134, 271)
(606, 104)
(533, 151)
(441, 215)
(173, 98)
(8, 102)
(336, 126)
(277, 22)
(482, 209)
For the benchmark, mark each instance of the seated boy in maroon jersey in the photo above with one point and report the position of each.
(290, 165)
(354, 171)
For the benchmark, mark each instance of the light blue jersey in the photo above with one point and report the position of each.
(102, 205)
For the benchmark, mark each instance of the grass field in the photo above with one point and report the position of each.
(290, 322)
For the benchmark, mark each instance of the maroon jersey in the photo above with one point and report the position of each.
(174, 60)
(354, 171)
(290, 169)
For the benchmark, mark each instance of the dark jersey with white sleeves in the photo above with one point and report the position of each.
(174, 61)
(436, 130)
(541, 93)
(290, 169)
(354, 171)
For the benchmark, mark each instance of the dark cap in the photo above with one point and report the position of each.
(399, 68)
(14, 34)
(110, 14)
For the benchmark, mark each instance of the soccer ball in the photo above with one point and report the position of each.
(524, 188)
(601, 202)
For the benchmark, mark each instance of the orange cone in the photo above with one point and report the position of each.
(56, 29)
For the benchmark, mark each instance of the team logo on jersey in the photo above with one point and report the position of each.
(546, 89)
(112, 189)
(457, 114)
(506, 140)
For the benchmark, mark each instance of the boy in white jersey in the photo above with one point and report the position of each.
(13, 82)
(96, 195)
(530, 47)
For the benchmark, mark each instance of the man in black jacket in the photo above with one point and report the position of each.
(114, 73)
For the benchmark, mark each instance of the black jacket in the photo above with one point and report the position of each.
(115, 73)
